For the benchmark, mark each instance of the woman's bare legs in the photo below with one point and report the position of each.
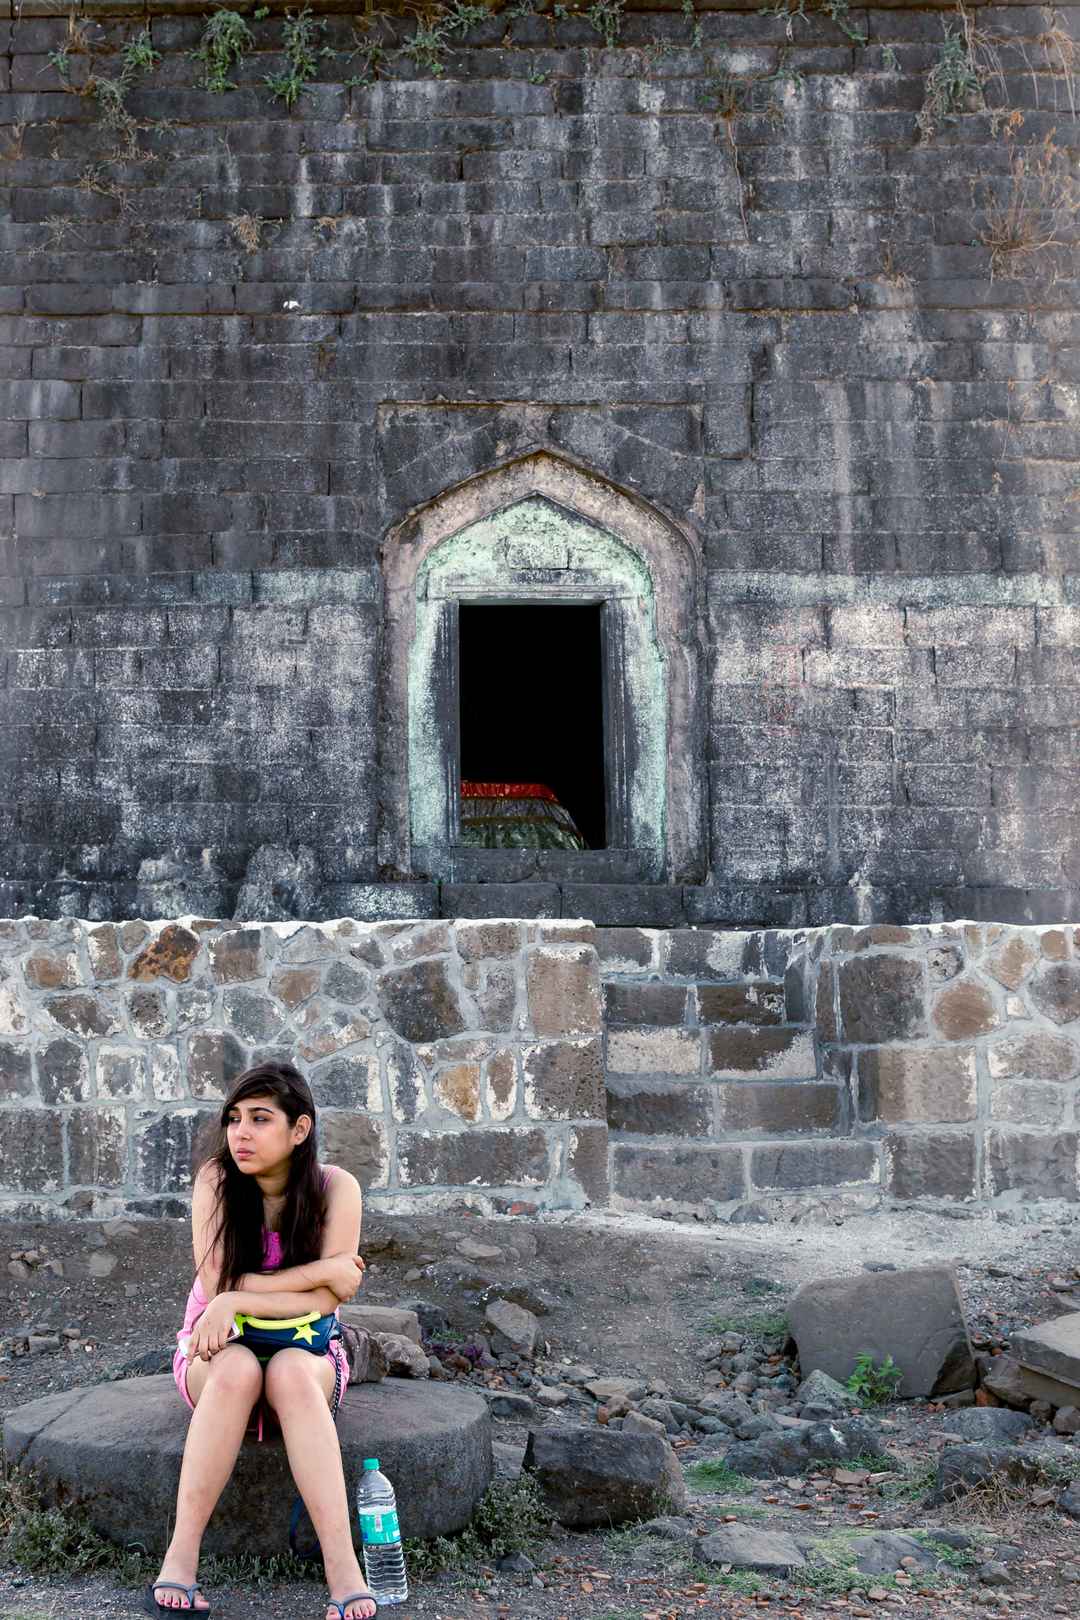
(299, 1386)
(223, 1390)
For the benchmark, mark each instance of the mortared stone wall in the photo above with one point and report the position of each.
(553, 1064)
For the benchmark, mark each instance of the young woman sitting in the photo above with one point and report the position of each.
(275, 1235)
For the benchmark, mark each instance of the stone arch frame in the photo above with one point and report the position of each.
(669, 554)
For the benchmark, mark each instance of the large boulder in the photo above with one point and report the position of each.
(594, 1477)
(990, 1424)
(114, 1450)
(787, 1451)
(914, 1316)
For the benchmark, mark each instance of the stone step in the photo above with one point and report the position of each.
(1051, 1349)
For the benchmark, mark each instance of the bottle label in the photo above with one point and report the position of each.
(379, 1526)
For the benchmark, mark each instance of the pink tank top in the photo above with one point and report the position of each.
(197, 1301)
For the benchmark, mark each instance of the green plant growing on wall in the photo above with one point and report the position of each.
(139, 56)
(837, 11)
(226, 38)
(433, 35)
(729, 95)
(301, 34)
(606, 16)
(954, 85)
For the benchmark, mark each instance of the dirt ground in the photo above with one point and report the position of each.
(624, 1294)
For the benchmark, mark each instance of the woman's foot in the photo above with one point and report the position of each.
(171, 1597)
(357, 1608)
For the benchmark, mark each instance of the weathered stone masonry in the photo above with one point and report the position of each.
(244, 365)
(682, 1071)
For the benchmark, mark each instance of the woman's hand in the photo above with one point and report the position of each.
(211, 1332)
(342, 1273)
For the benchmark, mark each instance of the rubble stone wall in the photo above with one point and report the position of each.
(718, 268)
(552, 1063)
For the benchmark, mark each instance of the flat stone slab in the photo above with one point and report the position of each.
(1051, 1348)
(114, 1450)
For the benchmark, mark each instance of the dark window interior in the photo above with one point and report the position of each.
(531, 693)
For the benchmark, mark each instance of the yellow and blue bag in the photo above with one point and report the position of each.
(264, 1335)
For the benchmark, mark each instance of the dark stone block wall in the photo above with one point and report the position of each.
(243, 343)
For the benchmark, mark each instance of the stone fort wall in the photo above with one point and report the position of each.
(726, 265)
(553, 1063)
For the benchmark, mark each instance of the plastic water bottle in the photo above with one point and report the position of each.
(380, 1534)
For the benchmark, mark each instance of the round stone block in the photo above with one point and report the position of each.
(114, 1451)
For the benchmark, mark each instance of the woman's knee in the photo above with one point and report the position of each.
(293, 1375)
(237, 1370)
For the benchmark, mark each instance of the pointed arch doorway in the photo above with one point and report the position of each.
(565, 613)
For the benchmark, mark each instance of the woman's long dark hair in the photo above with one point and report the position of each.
(239, 1205)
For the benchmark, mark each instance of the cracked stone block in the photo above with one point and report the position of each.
(563, 989)
(796, 1166)
(881, 999)
(964, 1010)
(564, 1079)
(1033, 1164)
(587, 1162)
(780, 1054)
(236, 956)
(513, 1157)
(121, 1072)
(915, 1085)
(654, 1051)
(356, 1143)
(939, 1164)
(16, 1073)
(97, 1147)
(63, 1070)
(53, 970)
(31, 1150)
(164, 1147)
(83, 1015)
(214, 1061)
(348, 1083)
(658, 1107)
(501, 1084)
(103, 948)
(419, 1002)
(1055, 991)
(458, 1089)
(170, 956)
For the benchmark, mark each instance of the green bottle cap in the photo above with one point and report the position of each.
(370, 1463)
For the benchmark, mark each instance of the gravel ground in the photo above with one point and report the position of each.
(628, 1295)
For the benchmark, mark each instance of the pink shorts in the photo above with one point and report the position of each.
(335, 1355)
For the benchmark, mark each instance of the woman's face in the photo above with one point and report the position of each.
(259, 1135)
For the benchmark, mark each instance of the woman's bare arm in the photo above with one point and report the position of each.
(204, 1220)
(284, 1303)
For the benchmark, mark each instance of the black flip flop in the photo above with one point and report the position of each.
(341, 1604)
(152, 1606)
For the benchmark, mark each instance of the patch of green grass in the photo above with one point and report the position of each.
(912, 1486)
(714, 1475)
(752, 1324)
(742, 1581)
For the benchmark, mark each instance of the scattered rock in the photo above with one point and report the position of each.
(472, 1250)
(1004, 1379)
(787, 1452)
(743, 1546)
(505, 1404)
(102, 1263)
(989, 1423)
(818, 1389)
(383, 1319)
(404, 1358)
(548, 1395)
(635, 1423)
(593, 1477)
(517, 1326)
(669, 1528)
(605, 1389)
(963, 1467)
(1067, 1420)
